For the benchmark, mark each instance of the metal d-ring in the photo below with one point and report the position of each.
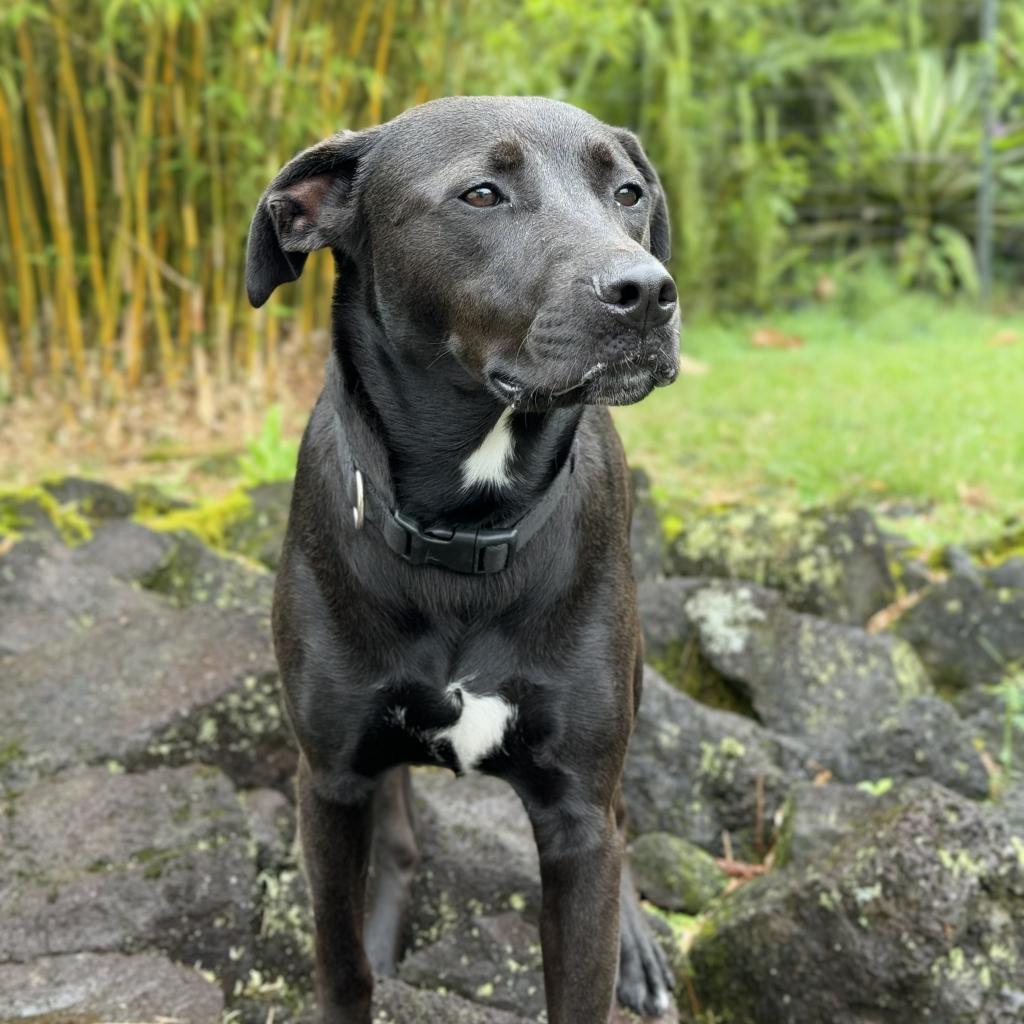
(358, 509)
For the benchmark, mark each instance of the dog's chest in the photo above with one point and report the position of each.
(459, 726)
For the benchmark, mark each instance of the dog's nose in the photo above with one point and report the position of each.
(645, 295)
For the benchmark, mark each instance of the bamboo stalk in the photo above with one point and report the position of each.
(144, 277)
(51, 173)
(19, 244)
(380, 63)
(87, 172)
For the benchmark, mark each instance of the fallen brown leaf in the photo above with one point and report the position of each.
(884, 618)
(770, 337)
(988, 763)
(741, 869)
(1003, 338)
(973, 495)
(6, 543)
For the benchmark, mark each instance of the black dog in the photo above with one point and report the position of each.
(456, 586)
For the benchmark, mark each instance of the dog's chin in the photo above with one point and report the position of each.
(620, 383)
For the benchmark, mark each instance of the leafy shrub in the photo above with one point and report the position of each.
(906, 148)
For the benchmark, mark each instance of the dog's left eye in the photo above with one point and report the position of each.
(628, 195)
(481, 196)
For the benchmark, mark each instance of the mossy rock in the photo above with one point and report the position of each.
(916, 916)
(34, 510)
(94, 499)
(697, 772)
(968, 631)
(831, 562)
(802, 675)
(674, 874)
(259, 535)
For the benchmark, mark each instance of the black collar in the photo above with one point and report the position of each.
(471, 551)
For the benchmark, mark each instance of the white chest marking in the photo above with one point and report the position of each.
(488, 465)
(481, 727)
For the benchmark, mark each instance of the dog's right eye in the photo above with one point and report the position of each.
(481, 196)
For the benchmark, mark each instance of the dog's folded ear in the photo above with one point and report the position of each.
(661, 234)
(306, 207)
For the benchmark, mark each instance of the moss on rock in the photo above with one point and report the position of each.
(675, 874)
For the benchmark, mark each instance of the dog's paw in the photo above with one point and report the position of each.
(645, 978)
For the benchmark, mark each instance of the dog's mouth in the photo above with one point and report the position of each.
(620, 382)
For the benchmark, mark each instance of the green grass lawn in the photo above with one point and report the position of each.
(892, 397)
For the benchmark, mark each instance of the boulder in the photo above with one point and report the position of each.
(494, 960)
(830, 562)
(698, 772)
(916, 916)
(156, 686)
(135, 679)
(271, 820)
(123, 549)
(49, 592)
(646, 538)
(100, 862)
(674, 874)
(923, 738)
(477, 853)
(815, 818)
(672, 643)
(801, 675)
(192, 574)
(94, 499)
(1009, 573)
(83, 988)
(398, 1003)
(968, 632)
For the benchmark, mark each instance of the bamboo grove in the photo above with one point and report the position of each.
(136, 136)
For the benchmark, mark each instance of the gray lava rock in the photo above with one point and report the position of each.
(191, 574)
(816, 818)
(924, 738)
(92, 498)
(157, 685)
(968, 633)
(271, 823)
(830, 562)
(646, 538)
(916, 917)
(87, 987)
(672, 644)
(693, 771)
(477, 850)
(123, 549)
(803, 675)
(100, 862)
(135, 679)
(1008, 574)
(674, 874)
(491, 960)
(49, 592)
(398, 1003)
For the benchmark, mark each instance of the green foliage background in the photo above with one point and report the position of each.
(136, 136)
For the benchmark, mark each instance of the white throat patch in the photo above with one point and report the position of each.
(488, 465)
(481, 727)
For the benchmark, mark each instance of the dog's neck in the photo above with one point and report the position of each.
(453, 455)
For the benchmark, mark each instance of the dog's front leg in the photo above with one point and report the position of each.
(580, 870)
(336, 840)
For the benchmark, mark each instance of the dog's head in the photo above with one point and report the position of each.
(520, 235)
